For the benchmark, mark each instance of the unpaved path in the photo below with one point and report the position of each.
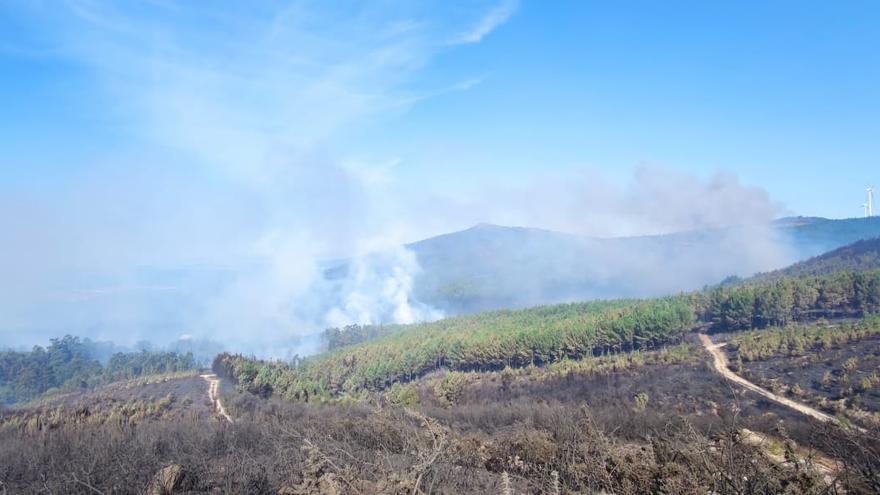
(213, 388)
(720, 361)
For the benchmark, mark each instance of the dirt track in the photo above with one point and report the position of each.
(720, 362)
(213, 387)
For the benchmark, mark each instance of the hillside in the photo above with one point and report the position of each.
(549, 334)
(502, 386)
(818, 235)
(491, 403)
(489, 267)
(611, 396)
(833, 366)
(860, 256)
(642, 422)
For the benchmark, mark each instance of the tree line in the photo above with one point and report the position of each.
(69, 363)
(756, 304)
(797, 340)
(482, 342)
(785, 300)
(335, 338)
(547, 334)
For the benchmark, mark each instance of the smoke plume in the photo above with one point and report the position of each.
(226, 209)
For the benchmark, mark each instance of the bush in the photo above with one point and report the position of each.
(641, 400)
(404, 395)
(450, 389)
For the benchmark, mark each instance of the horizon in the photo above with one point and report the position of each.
(536, 227)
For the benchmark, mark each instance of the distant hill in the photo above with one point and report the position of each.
(860, 256)
(818, 235)
(490, 266)
(484, 242)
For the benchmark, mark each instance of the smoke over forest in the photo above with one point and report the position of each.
(234, 203)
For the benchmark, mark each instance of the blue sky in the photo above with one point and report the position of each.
(260, 138)
(783, 94)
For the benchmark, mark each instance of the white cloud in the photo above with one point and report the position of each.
(373, 174)
(495, 17)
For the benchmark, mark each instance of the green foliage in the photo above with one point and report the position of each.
(791, 299)
(124, 366)
(548, 334)
(487, 341)
(450, 389)
(605, 364)
(827, 378)
(355, 334)
(795, 340)
(404, 395)
(65, 363)
(861, 256)
(68, 364)
(868, 382)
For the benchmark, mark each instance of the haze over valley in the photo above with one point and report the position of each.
(481, 268)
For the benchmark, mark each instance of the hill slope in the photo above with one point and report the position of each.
(548, 334)
(488, 267)
(860, 256)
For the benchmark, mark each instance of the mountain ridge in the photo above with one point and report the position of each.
(490, 266)
(860, 256)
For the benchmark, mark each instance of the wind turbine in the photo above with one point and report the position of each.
(865, 208)
(869, 206)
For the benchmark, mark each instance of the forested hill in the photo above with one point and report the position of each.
(547, 334)
(490, 267)
(69, 363)
(860, 256)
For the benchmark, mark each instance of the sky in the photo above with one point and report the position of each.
(164, 133)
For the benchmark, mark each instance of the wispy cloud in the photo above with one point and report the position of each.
(495, 17)
(460, 86)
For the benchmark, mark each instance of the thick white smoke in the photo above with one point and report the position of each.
(379, 289)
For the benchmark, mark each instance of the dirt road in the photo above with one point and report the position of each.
(213, 387)
(720, 361)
